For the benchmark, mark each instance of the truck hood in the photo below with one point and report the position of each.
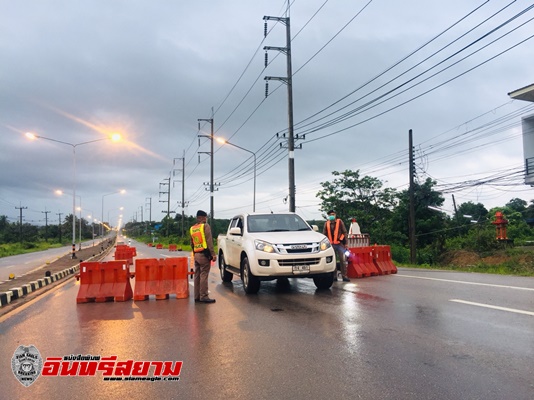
(289, 237)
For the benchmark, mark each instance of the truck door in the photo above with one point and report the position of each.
(234, 243)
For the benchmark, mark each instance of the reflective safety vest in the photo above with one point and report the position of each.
(336, 239)
(198, 238)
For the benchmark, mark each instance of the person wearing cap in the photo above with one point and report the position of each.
(335, 230)
(204, 254)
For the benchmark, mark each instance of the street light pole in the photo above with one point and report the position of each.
(223, 141)
(32, 136)
(80, 233)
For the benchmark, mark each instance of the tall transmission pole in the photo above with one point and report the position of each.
(149, 205)
(411, 228)
(288, 80)
(46, 224)
(182, 203)
(59, 214)
(211, 184)
(168, 201)
(20, 221)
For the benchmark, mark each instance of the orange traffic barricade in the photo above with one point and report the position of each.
(104, 281)
(125, 253)
(159, 246)
(360, 263)
(161, 278)
(382, 259)
(172, 247)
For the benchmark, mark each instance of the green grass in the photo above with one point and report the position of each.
(507, 268)
(12, 249)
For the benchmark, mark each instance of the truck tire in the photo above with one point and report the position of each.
(251, 284)
(323, 282)
(225, 275)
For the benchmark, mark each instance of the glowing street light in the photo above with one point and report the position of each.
(115, 137)
(223, 141)
(122, 191)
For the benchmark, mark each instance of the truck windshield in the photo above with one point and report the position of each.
(276, 223)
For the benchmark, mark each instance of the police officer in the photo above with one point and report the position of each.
(335, 230)
(204, 253)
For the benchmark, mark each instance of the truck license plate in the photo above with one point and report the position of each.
(301, 269)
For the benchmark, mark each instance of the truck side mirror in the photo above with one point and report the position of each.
(235, 231)
(315, 228)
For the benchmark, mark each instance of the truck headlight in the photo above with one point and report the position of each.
(325, 244)
(264, 246)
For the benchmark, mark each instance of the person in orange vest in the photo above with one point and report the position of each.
(204, 254)
(335, 230)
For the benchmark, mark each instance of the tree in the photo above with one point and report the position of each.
(477, 211)
(516, 204)
(431, 226)
(468, 212)
(362, 198)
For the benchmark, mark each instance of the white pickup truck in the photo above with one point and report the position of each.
(262, 247)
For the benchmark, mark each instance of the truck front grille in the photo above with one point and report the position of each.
(299, 261)
(297, 248)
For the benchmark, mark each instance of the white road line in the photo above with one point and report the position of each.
(493, 307)
(465, 283)
(11, 266)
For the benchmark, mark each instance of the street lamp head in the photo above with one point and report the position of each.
(220, 140)
(122, 191)
(31, 136)
(115, 137)
(59, 192)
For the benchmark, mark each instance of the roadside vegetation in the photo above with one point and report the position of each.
(464, 239)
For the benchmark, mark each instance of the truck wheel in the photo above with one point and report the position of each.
(324, 281)
(225, 275)
(251, 284)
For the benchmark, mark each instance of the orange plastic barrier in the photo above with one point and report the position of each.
(382, 259)
(159, 246)
(150, 245)
(104, 281)
(172, 247)
(161, 278)
(360, 263)
(127, 253)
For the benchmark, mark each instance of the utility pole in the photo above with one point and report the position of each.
(288, 80)
(211, 184)
(412, 201)
(168, 201)
(456, 216)
(60, 226)
(141, 208)
(182, 203)
(46, 224)
(20, 221)
(149, 205)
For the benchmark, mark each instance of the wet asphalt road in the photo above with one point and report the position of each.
(23, 263)
(416, 335)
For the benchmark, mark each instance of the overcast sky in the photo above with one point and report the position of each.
(364, 73)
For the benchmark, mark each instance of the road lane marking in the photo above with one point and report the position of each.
(493, 307)
(465, 283)
(11, 266)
